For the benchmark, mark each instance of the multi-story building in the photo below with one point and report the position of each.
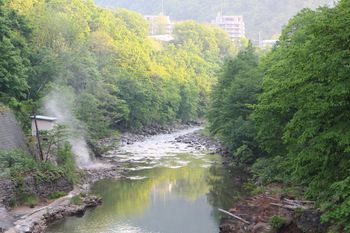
(159, 24)
(232, 24)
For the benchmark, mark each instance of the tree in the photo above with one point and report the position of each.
(303, 113)
(232, 100)
(14, 63)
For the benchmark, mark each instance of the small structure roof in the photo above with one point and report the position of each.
(44, 118)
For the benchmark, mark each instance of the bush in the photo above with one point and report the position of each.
(29, 200)
(56, 195)
(338, 207)
(20, 164)
(277, 222)
(76, 200)
(65, 159)
(271, 170)
(12, 202)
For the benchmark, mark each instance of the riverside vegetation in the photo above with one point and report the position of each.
(285, 116)
(114, 77)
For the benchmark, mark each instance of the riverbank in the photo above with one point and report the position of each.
(37, 220)
(274, 210)
(25, 219)
(166, 185)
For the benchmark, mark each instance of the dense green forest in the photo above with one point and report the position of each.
(283, 114)
(265, 16)
(100, 68)
(287, 116)
(115, 76)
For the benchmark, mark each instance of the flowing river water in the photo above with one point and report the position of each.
(166, 187)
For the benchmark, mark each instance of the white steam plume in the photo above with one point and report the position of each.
(59, 104)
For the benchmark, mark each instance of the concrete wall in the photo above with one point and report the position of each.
(11, 135)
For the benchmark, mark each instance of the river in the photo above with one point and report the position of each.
(166, 187)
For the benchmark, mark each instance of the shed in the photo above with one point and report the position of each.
(44, 123)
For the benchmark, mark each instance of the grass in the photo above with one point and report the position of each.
(277, 222)
(76, 200)
(56, 195)
(29, 200)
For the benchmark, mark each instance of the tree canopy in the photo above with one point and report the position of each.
(300, 120)
(118, 75)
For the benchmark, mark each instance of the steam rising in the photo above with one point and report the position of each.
(59, 104)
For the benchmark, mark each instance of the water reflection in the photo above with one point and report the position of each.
(178, 193)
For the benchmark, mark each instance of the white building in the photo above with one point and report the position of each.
(233, 25)
(159, 24)
(44, 123)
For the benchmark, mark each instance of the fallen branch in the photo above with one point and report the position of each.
(234, 216)
(298, 201)
(289, 207)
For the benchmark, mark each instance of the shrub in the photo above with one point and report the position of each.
(12, 202)
(76, 200)
(271, 170)
(56, 195)
(29, 200)
(277, 222)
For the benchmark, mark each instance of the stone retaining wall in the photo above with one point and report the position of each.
(11, 135)
(30, 185)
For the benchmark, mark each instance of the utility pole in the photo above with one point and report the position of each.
(41, 155)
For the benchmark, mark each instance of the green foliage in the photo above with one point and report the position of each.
(76, 200)
(338, 206)
(12, 202)
(29, 200)
(66, 162)
(119, 78)
(56, 195)
(14, 63)
(17, 165)
(232, 98)
(302, 114)
(270, 170)
(299, 212)
(277, 222)
(301, 117)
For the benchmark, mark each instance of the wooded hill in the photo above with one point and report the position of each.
(114, 75)
(286, 117)
(265, 16)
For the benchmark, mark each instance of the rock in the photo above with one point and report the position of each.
(38, 222)
(6, 220)
(7, 192)
(261, 227)
(310, 222)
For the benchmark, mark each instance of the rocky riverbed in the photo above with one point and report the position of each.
(255, 215)
(201, 142)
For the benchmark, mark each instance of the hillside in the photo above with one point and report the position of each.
(267, 16)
